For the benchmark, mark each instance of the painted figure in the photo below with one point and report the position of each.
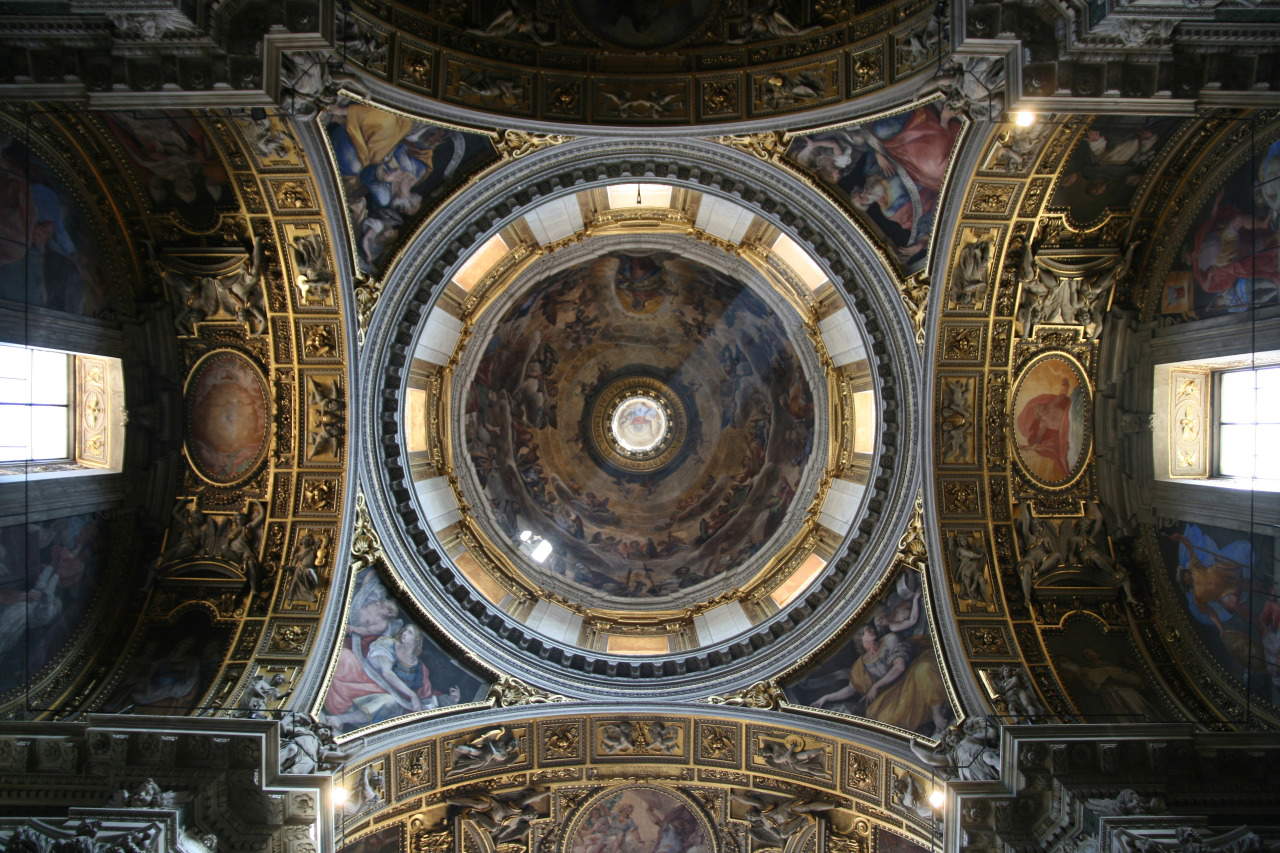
(892, 169)
(891, 674)
(388, 666)
(391, 167)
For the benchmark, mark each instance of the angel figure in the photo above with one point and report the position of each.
(240, 543)
(505, 818)
(969, 281)
(240, 294)
(766, 20)
(788, 755)
(1044, 548)
(308, 556)
(775, 820)
(519, 18)
(494, 748)
(324, 400)
(312, 267)
(969, 751)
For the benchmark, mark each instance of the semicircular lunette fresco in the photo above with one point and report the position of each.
(698, 338)
(634, 818)
(49, 254)
(1229, 260)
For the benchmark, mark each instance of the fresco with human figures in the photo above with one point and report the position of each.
(642, 26)
(639, 819)
(888, 842)
(385, 840)
(1050, 417)
(393, 170)
(49, 572)
(728, 365)
(389, 665)
(891, 170)
(49, 255)
(1226, 583)
(885, 668)
(176, 163)
(1229, 260)
(1109, 164)
(1101, 670)
(172, 666)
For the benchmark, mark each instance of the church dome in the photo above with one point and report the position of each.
(641, 426)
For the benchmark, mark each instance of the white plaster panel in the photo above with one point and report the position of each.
(555, 220)
(842, 339)
(438, 503)
(721, 623)
(438, 337)
(554, 621)
(841, 505)
(723, 219)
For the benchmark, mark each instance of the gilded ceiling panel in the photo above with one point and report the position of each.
(1060, 595)
(246, 290)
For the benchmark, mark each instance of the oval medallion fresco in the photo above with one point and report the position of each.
(708, 385)
(1052, 419)
(228, 417)
(638, 820)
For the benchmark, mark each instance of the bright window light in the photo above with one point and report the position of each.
(34, 416)
(1249, 423)
(937, 798)
(1024, 118)
(801, 263)
(639, 195)
(541, 551)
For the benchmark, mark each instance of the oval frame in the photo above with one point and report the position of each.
(265, 444)
(1086, 448)
(579, 815)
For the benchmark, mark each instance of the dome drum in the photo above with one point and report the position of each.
(644, 612)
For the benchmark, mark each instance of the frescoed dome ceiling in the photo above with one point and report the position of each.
(647, 416)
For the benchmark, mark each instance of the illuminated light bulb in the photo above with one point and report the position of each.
(1024, 118)
(339, 795)
(937, 798)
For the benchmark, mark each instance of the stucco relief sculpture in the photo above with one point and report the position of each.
(968, 751)
(307, 745)
(493, 748)
(774, 819)
(505, 817)
(1060, 291)
(208, 292)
